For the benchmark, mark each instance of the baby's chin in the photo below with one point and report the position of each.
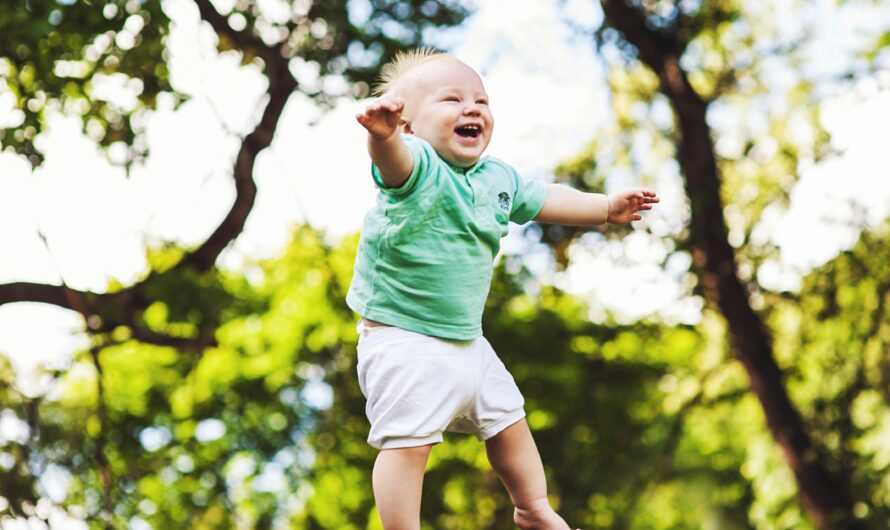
(462, 158)
(461, 162)
(449, 154)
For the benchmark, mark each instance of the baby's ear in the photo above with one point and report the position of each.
(406, 126)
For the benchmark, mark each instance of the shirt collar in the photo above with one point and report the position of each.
(469, 170)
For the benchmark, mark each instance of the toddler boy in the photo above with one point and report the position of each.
(422, 275)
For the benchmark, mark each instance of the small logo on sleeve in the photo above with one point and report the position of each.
(504, 201)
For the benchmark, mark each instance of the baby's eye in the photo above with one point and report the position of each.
(451, 98)
(482, 102)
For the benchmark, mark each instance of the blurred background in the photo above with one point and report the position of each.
(182, 183)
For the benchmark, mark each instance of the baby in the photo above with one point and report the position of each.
(422, 275)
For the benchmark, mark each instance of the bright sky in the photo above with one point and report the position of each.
(547, 96)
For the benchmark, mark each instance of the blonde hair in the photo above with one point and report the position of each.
(403, 61)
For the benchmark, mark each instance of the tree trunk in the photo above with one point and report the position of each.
(823, 496)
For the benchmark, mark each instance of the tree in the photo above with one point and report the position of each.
(693, 57)
(52, 55)
(205, 400)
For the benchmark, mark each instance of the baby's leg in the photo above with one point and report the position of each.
(398, 482)
(515, 458)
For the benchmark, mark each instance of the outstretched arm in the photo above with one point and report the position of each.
(570, 207)
(383, 120)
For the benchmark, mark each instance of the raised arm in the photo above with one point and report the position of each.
(383, 120)
(570, 207)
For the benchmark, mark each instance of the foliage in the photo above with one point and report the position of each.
(56, 56)
(642, 425)
(143, 389)
(750, 67)
(834, 335)
(233, 437)
(662, 395)
(639, 426)
(53, 53)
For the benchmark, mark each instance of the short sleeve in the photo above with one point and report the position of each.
(529, 198)
(420, 154)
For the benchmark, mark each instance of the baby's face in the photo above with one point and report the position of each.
(446, 105)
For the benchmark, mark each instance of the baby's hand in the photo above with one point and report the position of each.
(623, 207)
(382, 117)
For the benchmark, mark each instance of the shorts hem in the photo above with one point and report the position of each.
(499, 425)
(408, 441)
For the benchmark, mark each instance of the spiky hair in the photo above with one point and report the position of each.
(403, 61)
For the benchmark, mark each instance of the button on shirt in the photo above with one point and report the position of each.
(427, 248)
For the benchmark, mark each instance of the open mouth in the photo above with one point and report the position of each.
(469, 131)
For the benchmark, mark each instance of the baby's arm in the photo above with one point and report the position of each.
(388, 151)
(570, 207)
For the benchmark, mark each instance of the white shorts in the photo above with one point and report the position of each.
(418, 386)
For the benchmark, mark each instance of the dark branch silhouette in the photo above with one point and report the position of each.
(823, 495)
(125, 304)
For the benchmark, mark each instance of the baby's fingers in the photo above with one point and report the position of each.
(385, 105)
(392, 105)
(364, 118)
(650, 196)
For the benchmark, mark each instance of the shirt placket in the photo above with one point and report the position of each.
(479, 202)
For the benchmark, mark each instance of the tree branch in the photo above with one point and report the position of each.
(281, 85)
(123, 304)
(244, 40)
(106, 511)
(204, 340)
(822, 495)
(39, 292)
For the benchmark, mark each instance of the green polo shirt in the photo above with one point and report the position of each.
(427, 248)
